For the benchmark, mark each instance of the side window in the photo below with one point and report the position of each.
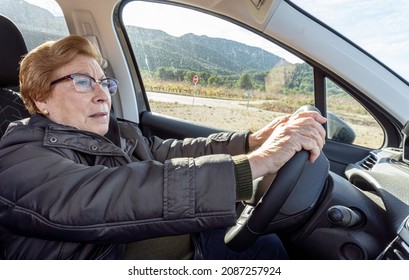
(200, 68)
(38, 20)
(204, 69)
(349, 121)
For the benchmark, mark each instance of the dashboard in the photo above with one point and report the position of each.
(363, 216)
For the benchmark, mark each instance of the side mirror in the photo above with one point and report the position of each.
(339, 130)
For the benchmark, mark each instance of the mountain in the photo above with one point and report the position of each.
(200, 53)
(36, 24)
(159, 49)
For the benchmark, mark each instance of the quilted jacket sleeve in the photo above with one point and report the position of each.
(230, 143)
(49, 190)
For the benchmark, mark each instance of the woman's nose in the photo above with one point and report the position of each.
(100, 93)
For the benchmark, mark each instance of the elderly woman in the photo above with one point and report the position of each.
(73, 189)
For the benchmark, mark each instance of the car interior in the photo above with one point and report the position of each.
(352, 203)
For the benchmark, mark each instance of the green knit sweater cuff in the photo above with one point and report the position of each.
(244, 181)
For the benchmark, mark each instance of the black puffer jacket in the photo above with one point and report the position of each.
(70, 194)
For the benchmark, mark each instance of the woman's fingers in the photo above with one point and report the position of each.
(303, 131)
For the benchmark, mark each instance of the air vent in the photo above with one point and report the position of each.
(369, 162)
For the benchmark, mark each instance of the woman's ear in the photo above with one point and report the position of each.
(42, 107)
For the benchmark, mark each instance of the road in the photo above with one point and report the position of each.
(197, 101)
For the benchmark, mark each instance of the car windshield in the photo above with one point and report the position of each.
(381, 27)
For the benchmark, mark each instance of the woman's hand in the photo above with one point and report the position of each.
(257, 138)
(289, 135)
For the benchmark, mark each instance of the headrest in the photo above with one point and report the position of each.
(12, 48)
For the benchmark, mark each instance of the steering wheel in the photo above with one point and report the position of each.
(254, 219)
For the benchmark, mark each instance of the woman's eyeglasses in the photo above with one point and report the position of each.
(85, 83)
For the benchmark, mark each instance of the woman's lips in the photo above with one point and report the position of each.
(99, 115)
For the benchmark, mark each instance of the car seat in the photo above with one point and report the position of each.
(12, 48)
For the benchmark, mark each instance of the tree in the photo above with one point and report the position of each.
(179, 74)
(215, 80)
(302, 78)
(245, 81)
(260, 77)
(165, 73)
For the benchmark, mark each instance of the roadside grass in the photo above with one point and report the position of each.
(260, 107)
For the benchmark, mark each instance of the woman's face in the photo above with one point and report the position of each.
(87, 111)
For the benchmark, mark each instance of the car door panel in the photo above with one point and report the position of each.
(166, 127)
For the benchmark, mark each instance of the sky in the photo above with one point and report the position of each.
(379, 26)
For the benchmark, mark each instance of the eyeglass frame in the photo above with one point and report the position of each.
(96, 81)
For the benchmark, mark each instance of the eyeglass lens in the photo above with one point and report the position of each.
(84, 83)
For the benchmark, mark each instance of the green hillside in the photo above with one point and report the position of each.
(198, 53)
